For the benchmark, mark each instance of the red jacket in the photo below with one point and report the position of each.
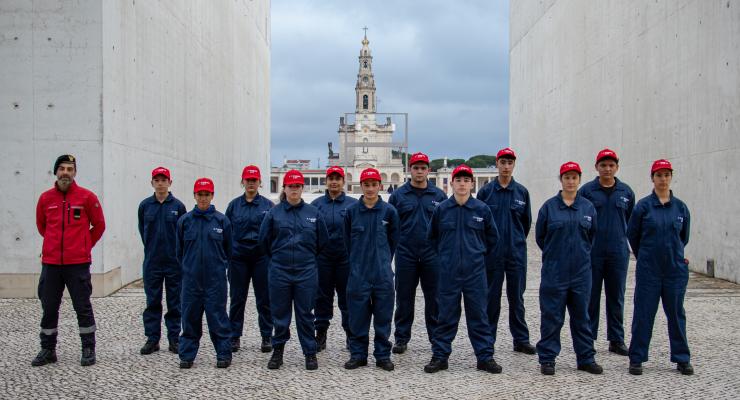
(64, 220)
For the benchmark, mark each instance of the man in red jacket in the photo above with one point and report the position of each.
(70, 219)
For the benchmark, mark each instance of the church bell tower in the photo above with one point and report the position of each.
(365, 87)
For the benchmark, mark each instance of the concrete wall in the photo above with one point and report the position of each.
(657, 79)
(126, 86)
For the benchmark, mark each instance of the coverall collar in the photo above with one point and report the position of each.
(377, 206)
(656, 201)
(287, 206)
(256, 201)
(167, 199)
(617, 183)
(497, 185)
(339, 198)
(408, 188)
(453, 202)
(562, 205)
(197, 212)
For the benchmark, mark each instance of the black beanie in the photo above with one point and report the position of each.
(67, 158)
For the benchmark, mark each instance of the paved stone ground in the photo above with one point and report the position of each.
(713, 324)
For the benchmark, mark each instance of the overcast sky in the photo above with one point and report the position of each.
(446, 63)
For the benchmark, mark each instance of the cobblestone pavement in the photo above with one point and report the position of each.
(713, 329)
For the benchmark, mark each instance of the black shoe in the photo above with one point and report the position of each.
(399, 348)
(686, 368)
(547, 368)
(355, 363)
(321, 339)
(276, 360)
(525, 348)
(635, 368)
(174, 346)
(311, 362)
(386, 365)
(235, 344)
(223, 363)
(186, 364)
(435, 365)
(489, 365)
(149, 347)
(592, 368)
(619, 348)
(266, 345)
(45, 356)
(88, 356)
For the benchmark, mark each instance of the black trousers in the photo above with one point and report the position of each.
(76, 277)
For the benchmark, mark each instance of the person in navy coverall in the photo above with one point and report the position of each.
(658, 231)
(463, 233)
(371, 233)
(333, 261)
(203, 250)
(415, 260)
(292, 234)
(248, 261)
(510, 206)
(613, 200)
(565, 231)
(158, 215)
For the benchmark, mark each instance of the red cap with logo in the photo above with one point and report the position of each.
(419, 157)
(607, 153)
(335, 170)
(506, 153)
(161, 171)
(661, 164)
(251, 172)
(293, 177)
(370, 173)
(462, 169)
(570, 166)
(203, 185)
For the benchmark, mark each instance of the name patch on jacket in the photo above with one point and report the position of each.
(478, 219)
(520, 202)
(311, 219)
(174, 212)
(218, 230)
(587, 218)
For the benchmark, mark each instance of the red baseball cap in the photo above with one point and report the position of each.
(570, 166)
(661, 164)
(251, 172)
(506, 153)
(335, 170)
(203, 184)
(606, 153)
(161, 171)
(293, 177)
(419, 157)
(462, 169)
(370, 173)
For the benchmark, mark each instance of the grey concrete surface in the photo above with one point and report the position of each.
(713, 326)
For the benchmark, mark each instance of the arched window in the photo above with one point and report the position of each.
(364, 149)
(364, 102)
(364, 64)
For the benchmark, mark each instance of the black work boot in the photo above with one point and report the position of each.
(186, 364)
(149, 347)
(525, 348)
(686, 368)
(45, 356)
(435, 365)
(386, 365)
(619, 348)
(547, 368)
(635, 368)
(489, 365)
(592, 368)
(276, 360)
(399, 348)
(266, 345)
(355, 363)
(223, 363)
(321, 338)
(311, 362)
(235, 344)
(174, 346)
(88, 356)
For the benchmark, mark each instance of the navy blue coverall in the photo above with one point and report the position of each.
(463, 235)
(333, 261)
(203, 250)
(248, 262)
(415, 260)
(371, 236)
(610, 254)
(512, 212)
(658, 234)
(565, 234)
(292, 236)
(158, 230)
